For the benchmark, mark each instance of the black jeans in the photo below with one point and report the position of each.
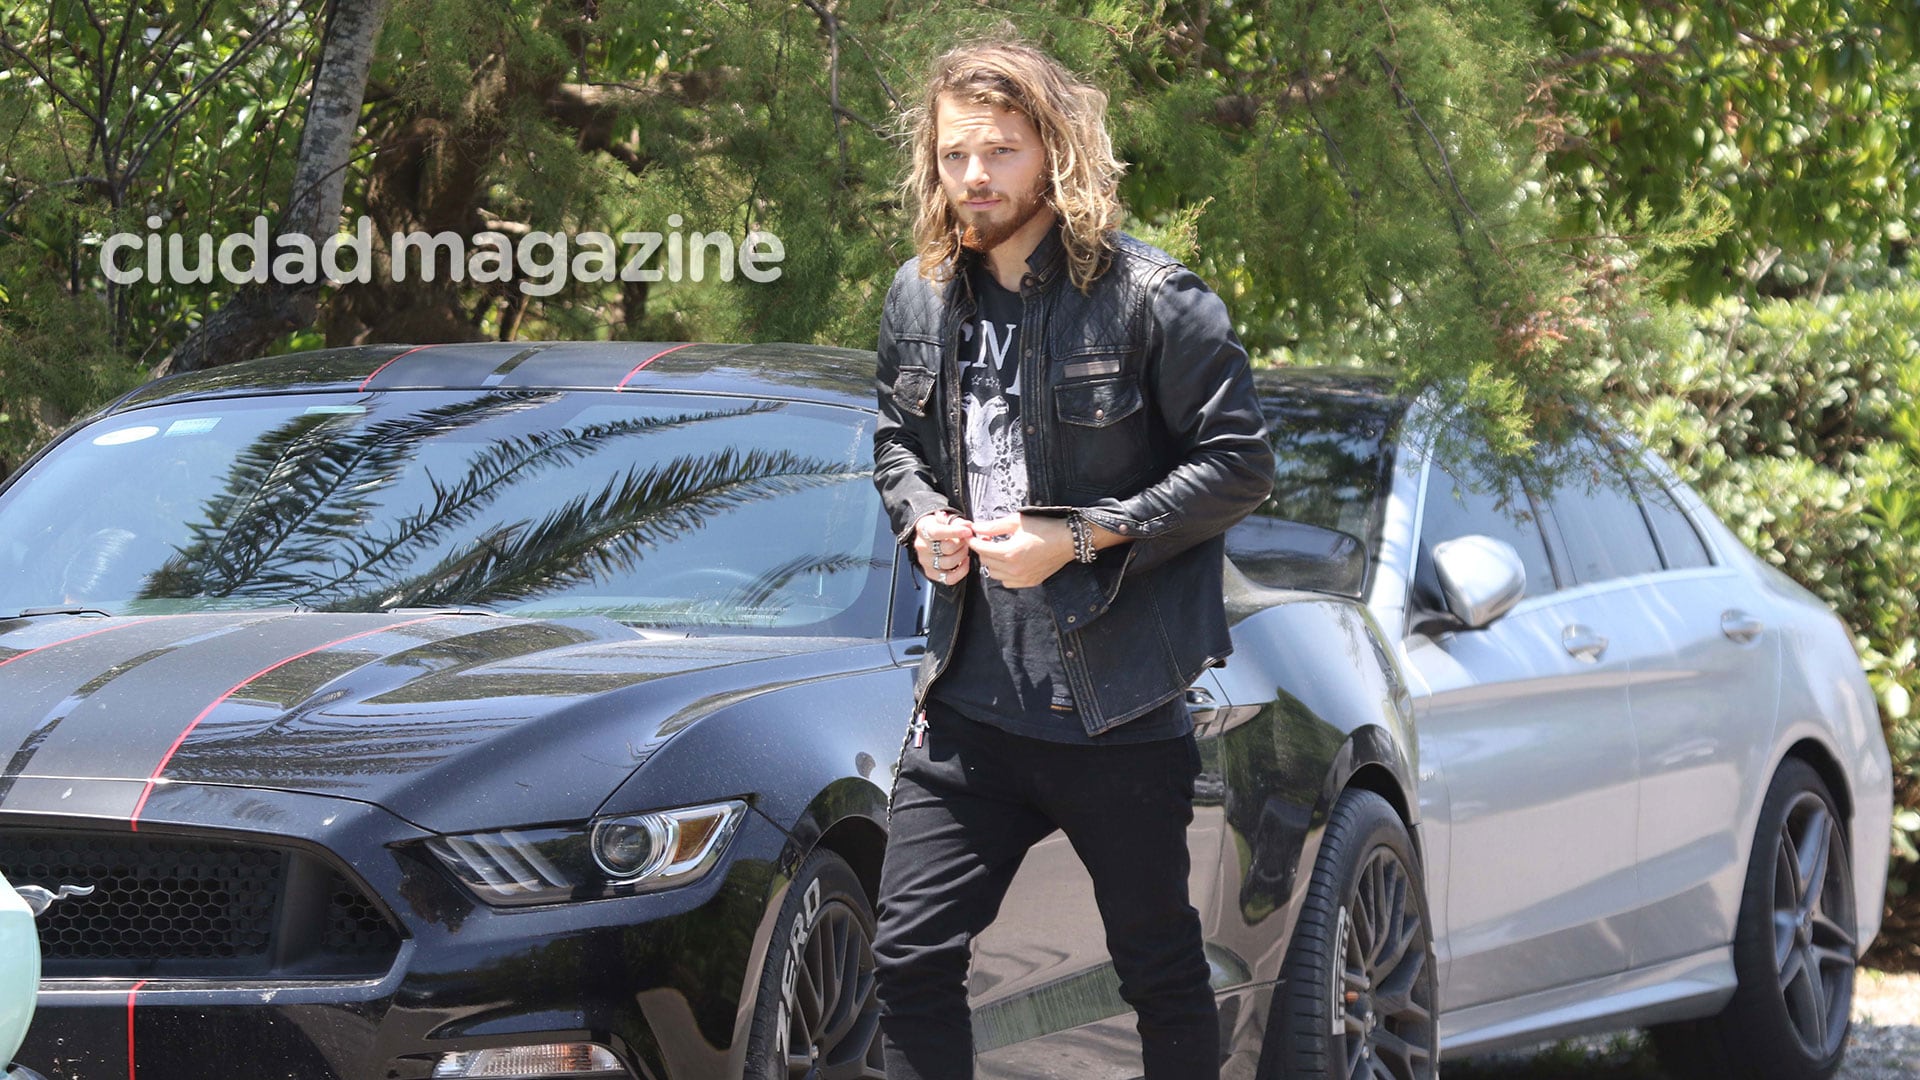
(967, 805)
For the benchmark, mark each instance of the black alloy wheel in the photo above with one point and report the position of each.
(1793, 949)
(1357, 997)
(1813, 924)
(1388, 1022)
(817, 1016)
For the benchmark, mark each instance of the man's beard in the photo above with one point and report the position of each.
(991, 234)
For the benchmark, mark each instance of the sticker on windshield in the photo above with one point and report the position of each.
(353, 410)
(126, 435)
(195, 426)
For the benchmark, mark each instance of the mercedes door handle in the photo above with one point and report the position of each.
(1582, 643)
(1740, 626)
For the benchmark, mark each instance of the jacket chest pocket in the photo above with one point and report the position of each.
(1097, 404)
(1102, 431)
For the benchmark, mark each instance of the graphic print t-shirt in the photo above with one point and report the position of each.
(1006, 669)
(996, 453)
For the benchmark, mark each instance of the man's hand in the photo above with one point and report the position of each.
(1021, 552)
(940, 544)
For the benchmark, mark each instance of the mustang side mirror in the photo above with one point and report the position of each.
(1480, 577)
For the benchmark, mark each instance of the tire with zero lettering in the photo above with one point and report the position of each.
(816, 1009)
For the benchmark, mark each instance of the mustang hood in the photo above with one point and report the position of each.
(433, 716)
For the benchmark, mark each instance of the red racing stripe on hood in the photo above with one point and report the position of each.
(134, 821)
(54, 644)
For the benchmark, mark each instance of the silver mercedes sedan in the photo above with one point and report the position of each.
(1653, 790)
(1654, 787)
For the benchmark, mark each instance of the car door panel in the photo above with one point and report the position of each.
(1705, 715)
(1527, 754)
(1536, 752)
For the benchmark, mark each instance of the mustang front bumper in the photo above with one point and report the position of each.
(661, 980)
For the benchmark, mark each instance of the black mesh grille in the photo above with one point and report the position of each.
(173, 905)
(354, 925)
(151, 898)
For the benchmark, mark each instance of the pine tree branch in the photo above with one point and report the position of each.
(830, 25)
(137, 161)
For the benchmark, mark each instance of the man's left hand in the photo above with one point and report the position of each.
(1021, 552)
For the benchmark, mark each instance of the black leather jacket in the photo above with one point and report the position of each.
(1145, 416)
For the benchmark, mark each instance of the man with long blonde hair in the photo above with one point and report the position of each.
(1068, 426)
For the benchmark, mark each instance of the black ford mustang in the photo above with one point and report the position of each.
(507, 711)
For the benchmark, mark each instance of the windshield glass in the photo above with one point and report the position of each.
(655, 509)
(1333, 456)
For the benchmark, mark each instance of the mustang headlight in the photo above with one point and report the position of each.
(599, 858)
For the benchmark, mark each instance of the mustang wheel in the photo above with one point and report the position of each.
(1357, 992)
(817, 1016)
(1793, 951)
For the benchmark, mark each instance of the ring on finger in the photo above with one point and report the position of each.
(936, 551)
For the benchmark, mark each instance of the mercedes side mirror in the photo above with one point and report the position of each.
(1481, 578)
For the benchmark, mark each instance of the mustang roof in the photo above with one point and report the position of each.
(784, 370)
(806, 372)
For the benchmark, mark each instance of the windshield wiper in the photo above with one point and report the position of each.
(56, 609)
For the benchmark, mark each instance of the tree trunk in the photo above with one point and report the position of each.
(257, 314)
(425, 178)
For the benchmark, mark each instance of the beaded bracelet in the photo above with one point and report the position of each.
(1083, 550)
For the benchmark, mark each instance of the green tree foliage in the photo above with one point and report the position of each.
(1358, 177)
(1794, 117)
(188, 115)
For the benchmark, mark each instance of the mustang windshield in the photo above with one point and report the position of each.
(654, 509)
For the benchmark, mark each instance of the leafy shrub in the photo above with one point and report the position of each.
(57, 362)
